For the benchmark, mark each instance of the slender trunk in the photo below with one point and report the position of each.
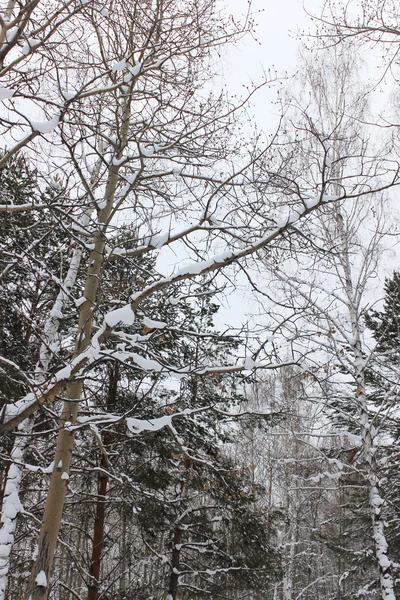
(65, 442)
(122, 557)
(11, 506)
(98, 532)
(14, 472)
(174, 576)
(287, 584)
(376, 504)
(367, 436)
(98, 536)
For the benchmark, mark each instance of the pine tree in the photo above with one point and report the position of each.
(384, 383)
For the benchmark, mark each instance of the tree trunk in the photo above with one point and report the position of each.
(11, 506)
(65, 443)
(95, 566)
(98, 533)
(174, 577)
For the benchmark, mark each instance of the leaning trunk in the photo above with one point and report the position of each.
(65, 443)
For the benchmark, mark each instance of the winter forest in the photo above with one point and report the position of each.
(199, 315)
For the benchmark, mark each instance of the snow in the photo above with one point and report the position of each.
(132, 177)
(11, 33)
(65, 476)
(145, 363)
(45, 126)
(196, 268)
(282, 222)
(157, 241)
(248, 363)
(41, 579)
(29, 45)
(384, 562)
(118, 161)
(119, 66)
(105, 12)
(147, 150)
(136, 69)
(312, 202)
(151, 324)
(80, 301)
(139, 425)
(123, 315)
(64, 373)
(295, 214)
(11, 505)
(6, 93)
(329, 198)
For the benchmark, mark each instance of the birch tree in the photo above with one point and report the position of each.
(337, 295)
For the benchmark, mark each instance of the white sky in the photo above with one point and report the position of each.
(279, 24)
(275, 46)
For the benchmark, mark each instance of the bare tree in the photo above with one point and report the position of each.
(351, 237)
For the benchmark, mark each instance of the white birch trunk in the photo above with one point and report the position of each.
(368, 433)
(287, 584)
(12, 506)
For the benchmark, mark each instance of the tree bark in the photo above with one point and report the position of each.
(174, 576)
(98, 537)
(65, 443)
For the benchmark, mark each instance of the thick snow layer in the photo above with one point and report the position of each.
(119, 66)
(68, 95)
(64, 373)
(138, 425)
(45, 126)
(11, 33)
(156, 241)
(198, 267)
(120, 315)
(41, 579)
(145, 363)
(151, 324)
(147, 150)
(248, 363)
(29, 44)
(136, 69)
(80, 301)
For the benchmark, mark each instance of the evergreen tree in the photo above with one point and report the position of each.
(384, 382)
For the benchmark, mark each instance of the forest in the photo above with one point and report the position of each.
(199, 319)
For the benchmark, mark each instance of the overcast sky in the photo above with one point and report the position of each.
(275, 46)
(279, 24)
